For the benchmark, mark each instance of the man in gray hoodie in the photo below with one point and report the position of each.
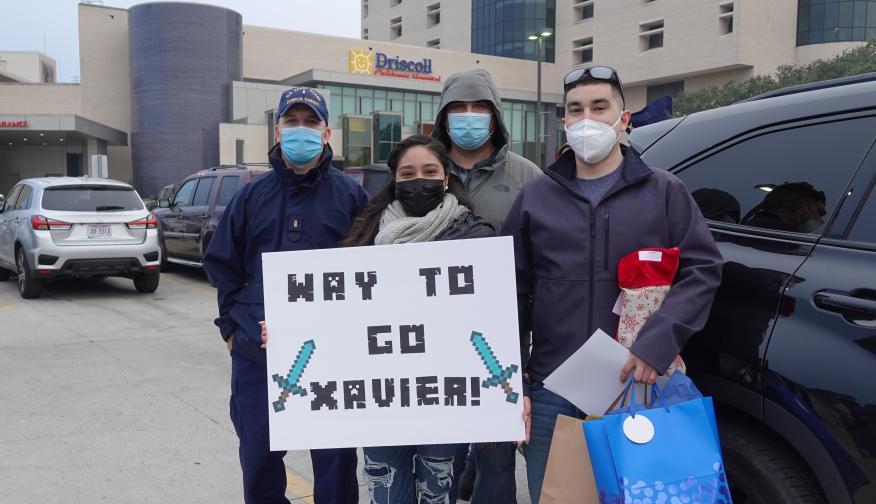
(470, 124)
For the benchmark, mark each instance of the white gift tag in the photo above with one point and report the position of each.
(639, 429)
(650, 255)
(619, 304)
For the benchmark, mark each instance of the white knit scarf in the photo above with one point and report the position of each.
(396, 226)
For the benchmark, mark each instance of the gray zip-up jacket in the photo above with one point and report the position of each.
(495, 183)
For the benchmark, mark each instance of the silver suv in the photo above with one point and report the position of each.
(60, 227)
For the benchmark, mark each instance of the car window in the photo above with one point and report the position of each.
(91, 198)
(227, 189)
(864, 229)
(13, 195)
(787, 180)
(184, 195)
(23, 202)
(166, 192)
(202, 194)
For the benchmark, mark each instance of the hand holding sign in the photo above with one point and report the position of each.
(264, 334)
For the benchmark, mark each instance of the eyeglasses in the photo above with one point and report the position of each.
(600, 73)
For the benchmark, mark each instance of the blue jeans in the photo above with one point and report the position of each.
(545, 407)
(424, 474)
(495, 482)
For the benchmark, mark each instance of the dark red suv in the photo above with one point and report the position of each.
(186, 222)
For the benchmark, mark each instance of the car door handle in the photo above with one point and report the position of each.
(846, 304)
(204, 216)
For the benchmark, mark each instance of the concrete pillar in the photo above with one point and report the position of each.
(93, 147)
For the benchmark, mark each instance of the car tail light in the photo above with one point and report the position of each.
(150, 222)
(41, 223)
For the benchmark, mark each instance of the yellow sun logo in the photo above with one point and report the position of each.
(361, 61)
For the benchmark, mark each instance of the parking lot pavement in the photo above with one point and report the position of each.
(110, 395)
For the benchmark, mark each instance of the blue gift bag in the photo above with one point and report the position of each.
(668, 454)
(677, 390)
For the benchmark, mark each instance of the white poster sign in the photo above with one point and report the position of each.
(393, 345)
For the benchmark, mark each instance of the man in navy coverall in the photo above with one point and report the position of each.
(303, 203)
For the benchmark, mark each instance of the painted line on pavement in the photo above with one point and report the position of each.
(299, 487)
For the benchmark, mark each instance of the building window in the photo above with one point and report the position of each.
(48, 73)
(350, 100)
(651, 35)
(835, 21)
(238, 151)
(503, 27)
(435, 43)
(387, 134)
(725, 18)
(671, 89)
(583, 10)
(582, 50)
(364, 9)
(433, 15)
(364, 33)
(520, 120)
(395, 27)
(357, 141)
(269, 121)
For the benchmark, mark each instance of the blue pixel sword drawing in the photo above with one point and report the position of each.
(289, 383)
(498, 375)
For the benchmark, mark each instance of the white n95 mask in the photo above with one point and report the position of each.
(592, 140)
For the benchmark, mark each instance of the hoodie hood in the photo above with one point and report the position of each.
(470, 85)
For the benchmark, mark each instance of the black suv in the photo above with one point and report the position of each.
(786, 181)
(186, 223)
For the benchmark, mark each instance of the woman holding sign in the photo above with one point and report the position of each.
(420, 203)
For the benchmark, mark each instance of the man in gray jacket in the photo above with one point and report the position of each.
(470, 124)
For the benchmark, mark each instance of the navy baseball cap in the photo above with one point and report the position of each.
(304, 96)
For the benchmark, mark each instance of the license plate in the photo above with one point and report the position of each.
(99, 231)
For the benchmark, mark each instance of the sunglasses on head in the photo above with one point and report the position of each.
(599, 73)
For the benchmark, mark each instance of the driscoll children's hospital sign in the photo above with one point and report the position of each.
(366, 62)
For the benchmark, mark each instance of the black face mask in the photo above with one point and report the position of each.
(419, 196)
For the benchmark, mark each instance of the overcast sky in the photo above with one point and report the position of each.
(26, 24)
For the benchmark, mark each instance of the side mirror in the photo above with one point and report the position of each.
(163, 203)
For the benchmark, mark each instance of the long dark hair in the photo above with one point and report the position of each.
(366, 226)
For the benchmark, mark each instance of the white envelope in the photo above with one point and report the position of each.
(590, 377)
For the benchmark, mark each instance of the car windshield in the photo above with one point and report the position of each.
(91, 199)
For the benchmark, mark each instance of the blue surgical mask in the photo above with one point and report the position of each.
(300, 144)
(469, 130)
